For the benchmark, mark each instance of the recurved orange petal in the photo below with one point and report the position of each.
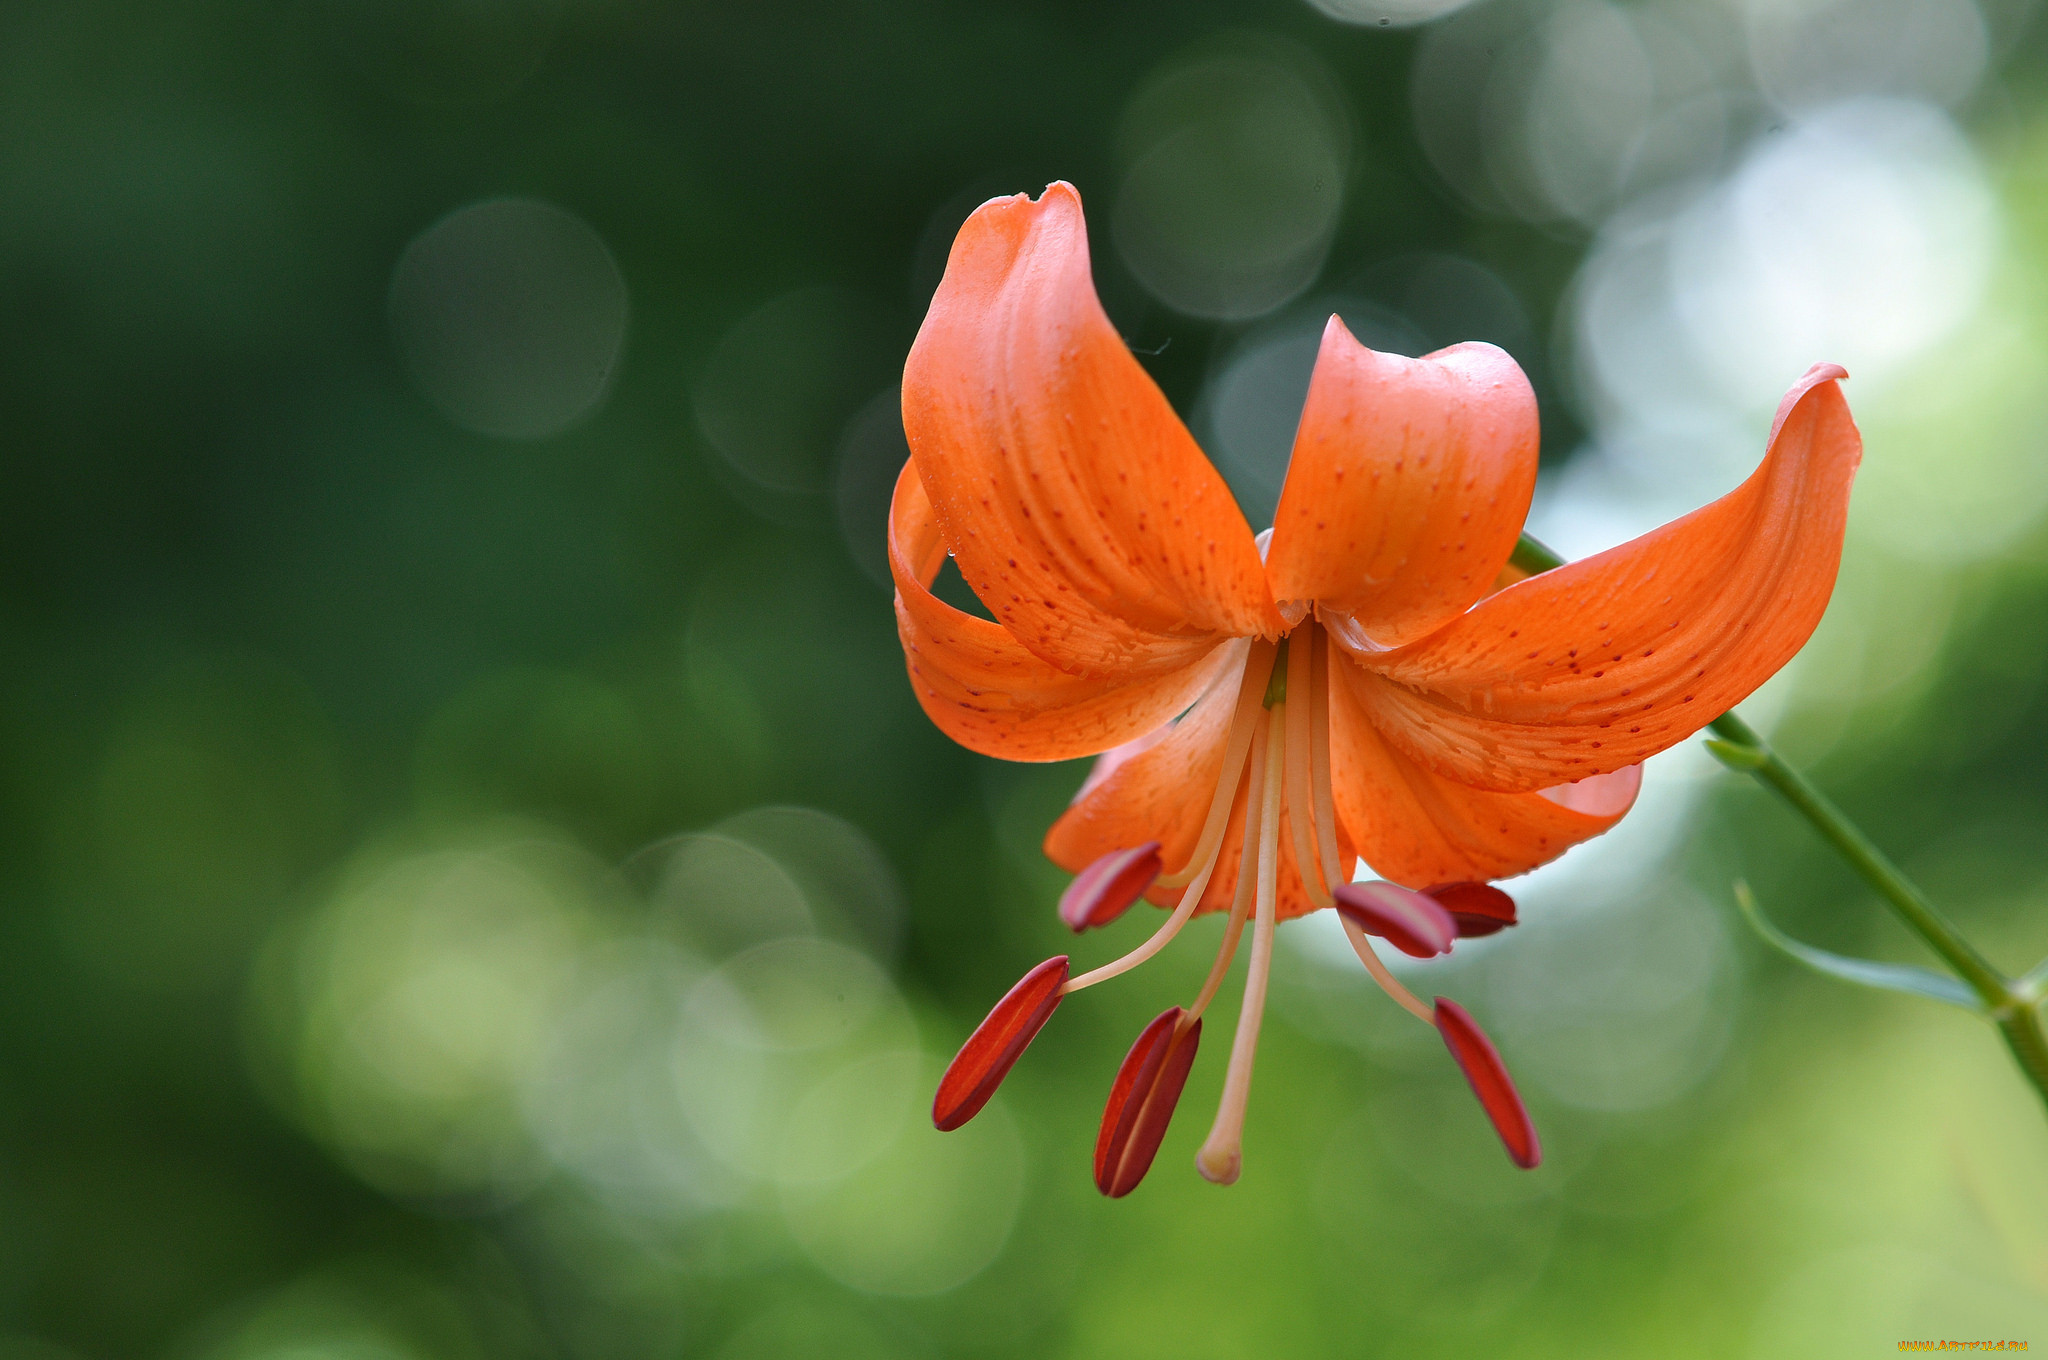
(1158, 792)
(1408, 487)
(1415, 827)
(1593, 666)
(1078, 506)
(993, 696)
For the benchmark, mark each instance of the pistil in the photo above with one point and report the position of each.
(1334, 870)
(1222, 1154)
(1361, 943)
(1247, 885)
(1302, 821)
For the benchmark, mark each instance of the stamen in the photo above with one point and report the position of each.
(1412, 922)
(1142, 1099)
(1335, 871)
(1106, 889)
(1247, 889)
(1362, 944)
(996, 1044)
(1301, 816)
(1482, 1066)
(1222, 1154)
(1188, 900)
(1251, 690)
(1478, 908)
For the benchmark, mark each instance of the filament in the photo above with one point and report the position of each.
(1251, 689)
(1335, 871)
(1247, 881)
(1301, 816)
(1362, 943)
(1189, 900)
(1222, 1154)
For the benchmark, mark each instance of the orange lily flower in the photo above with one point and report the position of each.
(1369, 680)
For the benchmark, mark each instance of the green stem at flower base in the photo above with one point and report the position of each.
(2014, 1006)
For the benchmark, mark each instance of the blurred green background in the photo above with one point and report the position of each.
(476, 882)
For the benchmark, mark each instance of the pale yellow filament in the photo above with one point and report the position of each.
(1189, 900)
(1335, 872)
(1301, 812)
(1247, 883)
(1362, 942)
(1222, 1154)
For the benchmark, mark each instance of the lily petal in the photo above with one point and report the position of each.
(1413, 826)
(1078, 506)
(992, 695)
(1594, 665)
(1408, 487)
(1159, 793)
(1162, 793)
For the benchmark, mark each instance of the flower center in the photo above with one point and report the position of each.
(1278, 755)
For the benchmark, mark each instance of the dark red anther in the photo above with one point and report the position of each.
(996, 1044)
(1410, 921)
(1478, 908)
(1490, 1081)
(1141, 1102)
(1106, 889)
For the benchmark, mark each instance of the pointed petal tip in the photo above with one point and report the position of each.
(1818, 375)
(996, 1044)
(1058, 194)
(1476, 908)
(1480, 1061)
(1142, 1100)
(1413, 922)
(1107, 888)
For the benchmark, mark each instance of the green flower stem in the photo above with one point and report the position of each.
(2013, 1009)
(2015, 1006)
(1925, 919)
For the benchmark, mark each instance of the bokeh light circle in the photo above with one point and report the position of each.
(1235, 174)
(927, 1215)
(723, 895)
(1621, 1008)
(1812, 52)
(1864, 235)
(1567, 111)
(762, 1033)
(1389, 13)
(871, 454)
(428, 989)
(845, 878)
(780, 385)
(1248, 413)
(510, 315)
